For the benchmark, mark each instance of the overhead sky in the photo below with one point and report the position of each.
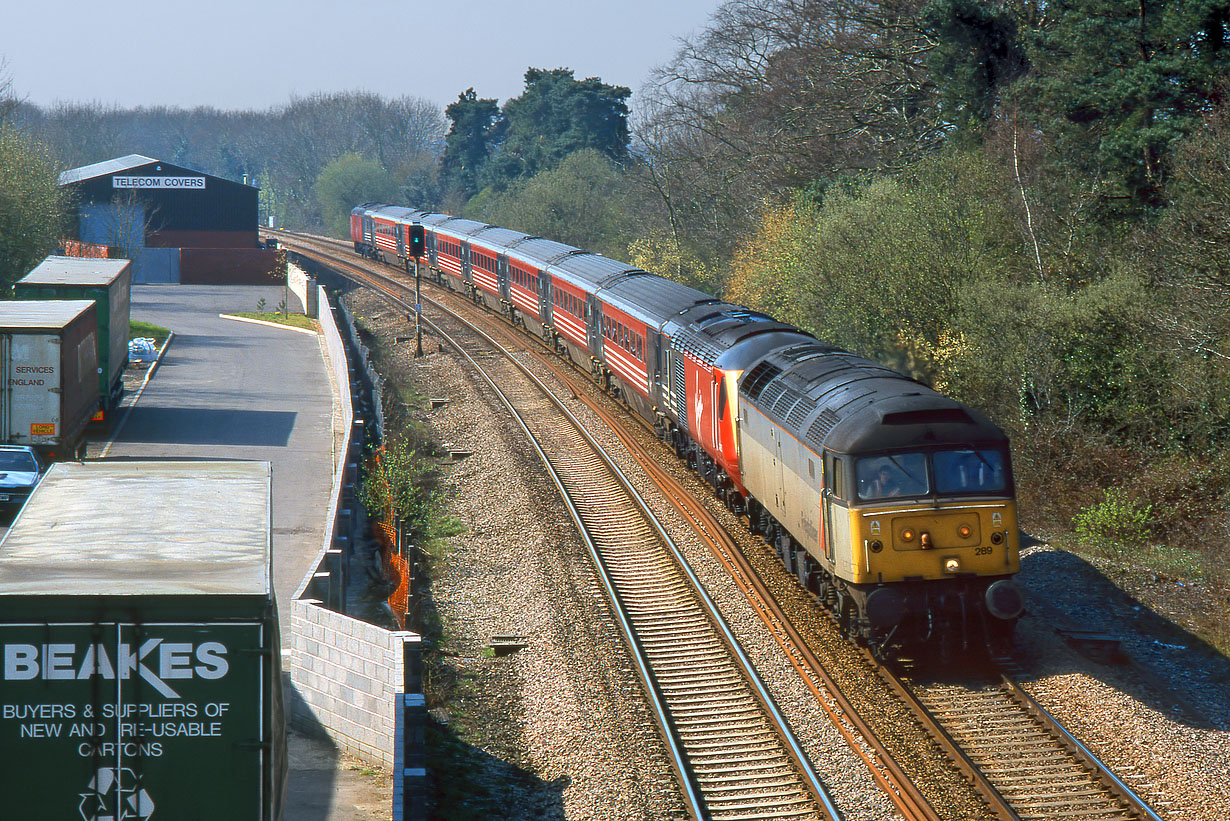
(245, 54)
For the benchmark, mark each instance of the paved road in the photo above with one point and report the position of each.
(234, 390)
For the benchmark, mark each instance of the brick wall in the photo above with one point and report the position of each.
(303, 287)
(229, 266)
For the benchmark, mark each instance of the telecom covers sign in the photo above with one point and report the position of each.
(108, 721)
(154, 181)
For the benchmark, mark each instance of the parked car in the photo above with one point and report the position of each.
(19, 473)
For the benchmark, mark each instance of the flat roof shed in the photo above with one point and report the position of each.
(83, 271)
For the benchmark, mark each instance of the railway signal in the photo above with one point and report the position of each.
(415, 235)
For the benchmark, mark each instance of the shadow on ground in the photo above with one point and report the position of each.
(313, 762)
(209, 426)
(1181, 671)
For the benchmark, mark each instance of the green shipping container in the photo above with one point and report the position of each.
(140, 662)
(108, 282)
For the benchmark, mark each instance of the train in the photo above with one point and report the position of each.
(892, 504)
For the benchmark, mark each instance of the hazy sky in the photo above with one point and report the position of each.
(232, 54)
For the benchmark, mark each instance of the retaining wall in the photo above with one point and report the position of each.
(351, 676)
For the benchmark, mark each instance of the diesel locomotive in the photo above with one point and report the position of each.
(893, 504)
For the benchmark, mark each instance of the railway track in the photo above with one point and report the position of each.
(1026, 765)
(735, 755)
(1022, 763)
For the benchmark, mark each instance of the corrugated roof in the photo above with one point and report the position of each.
(102, 169)
(75, 271)
(41, 314)
(142, 528)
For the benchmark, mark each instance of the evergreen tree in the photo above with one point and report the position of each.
(1116, 83)
(478, 127)
(978, 52)
(556, 116)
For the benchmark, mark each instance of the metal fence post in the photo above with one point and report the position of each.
(409, 750)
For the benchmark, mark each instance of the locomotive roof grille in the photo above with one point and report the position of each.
(696, 345)
(825, 422)
(759, 377)
(799, 411)
(769, 395)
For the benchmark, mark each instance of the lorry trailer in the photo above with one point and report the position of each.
(140, 660)
(49, 364)
(106, 282)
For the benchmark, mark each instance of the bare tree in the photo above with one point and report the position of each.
(8, 98)
(780, 93)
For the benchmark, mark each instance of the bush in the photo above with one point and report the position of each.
(1114, 525)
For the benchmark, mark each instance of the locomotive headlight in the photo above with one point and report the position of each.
(997, 537)
(907, 535)
(876, 546)
(952, 564)
(964, 531)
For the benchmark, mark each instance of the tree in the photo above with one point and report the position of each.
(581, 202)
(32, 206)
(1117, 83)
(346, 182)
(478, 126)
(777, 95)
(8, 100)
(558, 115)
(978, 53)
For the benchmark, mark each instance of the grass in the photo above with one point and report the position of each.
(147, 329)
(293, 320)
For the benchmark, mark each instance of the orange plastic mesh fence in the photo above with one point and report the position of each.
(395, 567)
(399, 599)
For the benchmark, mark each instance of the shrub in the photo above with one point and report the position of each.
(1114, 525)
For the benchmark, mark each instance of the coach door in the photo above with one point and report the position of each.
(544, 295)
(654, 362)
(504, 276)
(593, 325)
(467, 273)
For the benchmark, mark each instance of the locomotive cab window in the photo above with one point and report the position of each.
(898, 474)
(969, 471)
(834, 476)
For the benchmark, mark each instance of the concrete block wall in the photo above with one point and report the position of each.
(303, 287)
(351, 677)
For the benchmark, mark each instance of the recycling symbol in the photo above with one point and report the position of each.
(115, 794)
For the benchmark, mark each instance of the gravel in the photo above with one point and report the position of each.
(1159, 715)
(558, 729)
